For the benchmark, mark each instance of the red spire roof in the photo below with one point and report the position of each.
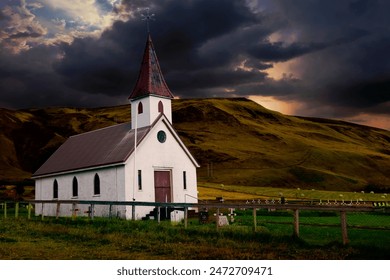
(150, 80)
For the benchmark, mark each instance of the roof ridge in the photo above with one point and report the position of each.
(102, 128)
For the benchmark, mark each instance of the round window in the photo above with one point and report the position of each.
(161, 136)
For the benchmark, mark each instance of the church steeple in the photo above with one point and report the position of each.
(151, 95)
(150, 80)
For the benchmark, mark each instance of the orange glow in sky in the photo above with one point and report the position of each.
(374, 120)
(281, 70)
(295, 108)
(269, 102)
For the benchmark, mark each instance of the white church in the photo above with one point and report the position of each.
(144, 160)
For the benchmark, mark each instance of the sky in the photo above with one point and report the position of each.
(327, 59)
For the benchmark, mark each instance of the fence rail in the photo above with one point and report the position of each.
(217, 207)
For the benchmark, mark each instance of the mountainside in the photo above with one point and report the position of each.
(236, 141)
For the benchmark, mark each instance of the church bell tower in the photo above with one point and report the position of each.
(151, 95)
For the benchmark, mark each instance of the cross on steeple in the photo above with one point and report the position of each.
(151, 96)
(148, 17)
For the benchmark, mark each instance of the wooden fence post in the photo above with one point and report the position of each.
(296, 222)
(217, 218)
(92, 211)
(74, 211)
(344, 231)
(133, 212)
(5, 210)
(110, 211)
(17, 209)
(29, 211)
(254, 219)
(185, 217)
(42, 216)
(58, 210)
(158, 214)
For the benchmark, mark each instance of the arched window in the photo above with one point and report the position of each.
(185, 180)
(160, 107)
(140, 108)
(55, 189)
(140, 180)
(96, 185)
(75, 187)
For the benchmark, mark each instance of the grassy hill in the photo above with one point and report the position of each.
(236, 141)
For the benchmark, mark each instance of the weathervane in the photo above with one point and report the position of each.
(148, 17)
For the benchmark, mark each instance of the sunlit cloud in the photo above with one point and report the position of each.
(81, 18)
(20, 27)
(25, 24)
(283, 70)
(285, 36)
(84, 11)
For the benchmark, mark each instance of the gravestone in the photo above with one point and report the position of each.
(232, 214)
(223, 221)
(203, 217)
(177, 216)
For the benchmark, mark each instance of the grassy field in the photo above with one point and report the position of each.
(120, 239)
(209, 191)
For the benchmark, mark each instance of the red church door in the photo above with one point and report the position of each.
(162, 186)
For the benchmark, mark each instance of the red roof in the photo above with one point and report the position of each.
(150, 80)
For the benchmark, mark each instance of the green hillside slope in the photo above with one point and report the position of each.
(246, 144)
(236, 141)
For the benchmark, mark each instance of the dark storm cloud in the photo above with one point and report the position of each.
(212, 78)
(366, 83)
(95, 66)
(26, 34)
(352, 72)
(218, 48)
(202, 45)
(277, 52)
(110, 64)
(27, 78)
(364, 94)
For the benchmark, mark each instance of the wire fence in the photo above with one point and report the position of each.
(313, 222)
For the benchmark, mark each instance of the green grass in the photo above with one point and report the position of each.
(120, 239)
(209, 190)
(117, 239)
